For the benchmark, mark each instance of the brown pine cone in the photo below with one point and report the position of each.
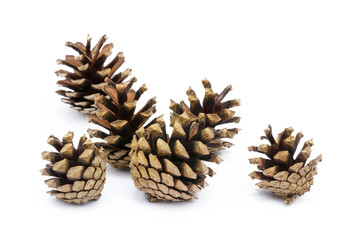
(116, 113)
(89, 74)
(215, 111)
(172, 169)
(78, 175)
(281, 172)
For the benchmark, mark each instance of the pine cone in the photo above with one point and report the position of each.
(215, 111)
(89, 74)
(283, 174)
(172, 169)
(78, 174)
(116, 114)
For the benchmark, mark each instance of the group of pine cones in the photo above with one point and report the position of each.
(165, 167)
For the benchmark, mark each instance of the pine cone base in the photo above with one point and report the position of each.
(291, 184)
(157, 188)
(80, 197)
(87, 110)
(116, 162)
(115, 157)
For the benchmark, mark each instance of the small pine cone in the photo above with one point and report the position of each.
(78, 174)
(116, 114)
(89, 74)
(215, 111)
(281, 172)
(172, 169)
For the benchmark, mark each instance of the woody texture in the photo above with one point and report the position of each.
(88, 74)
(213, 108)
(77, 174)
(280, 172)
(172, 168)
(116, 114)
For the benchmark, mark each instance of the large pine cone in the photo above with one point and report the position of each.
(172, 169)
(89, 74)
(215, 111)
(78, 174)
(282, 173)
(116, 113)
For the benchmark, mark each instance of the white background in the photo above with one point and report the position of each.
(292, 63)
